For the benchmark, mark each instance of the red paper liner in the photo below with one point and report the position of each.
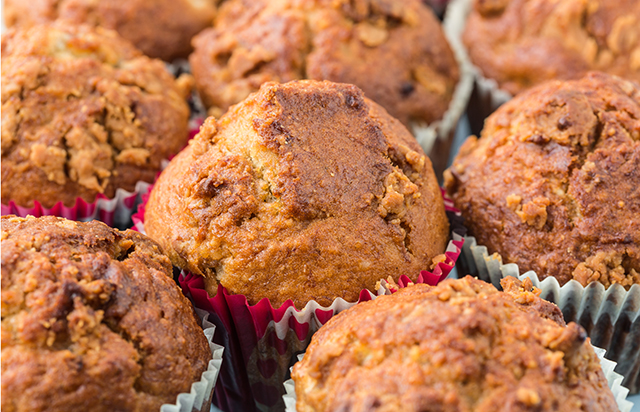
(261, 342)
(114, 212)
(138, 217)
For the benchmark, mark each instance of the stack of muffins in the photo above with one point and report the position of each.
(311, 189)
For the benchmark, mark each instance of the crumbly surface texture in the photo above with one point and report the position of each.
(92, 320)
(553, 182)
(522, 43)
(84, 112)
(395, 51)
(305, 191)
(459, 347)
(160, 28)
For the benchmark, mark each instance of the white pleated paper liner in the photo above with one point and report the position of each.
(290, 397)
(486, 96)
(610, 316)
(437, 137)
(199, 399)
(613, 379)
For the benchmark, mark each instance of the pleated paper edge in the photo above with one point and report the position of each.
(454, 22)
(203, 389)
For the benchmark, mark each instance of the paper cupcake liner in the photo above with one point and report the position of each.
(610, 316)
(486, 96)
(437, 137)
(199, 399)
(114, 212)
(613, 379)
(261, 340)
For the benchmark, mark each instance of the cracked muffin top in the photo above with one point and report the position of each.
(83, 113)
(92, 320)
(395, 51)
(553, 182)
(304, 191)
(459, 346)
(160, 28)
(522, 43)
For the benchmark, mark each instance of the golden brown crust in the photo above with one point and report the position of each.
(83, 112)
(552, 184)
(459, 346)
(378, 45)
(305, 191)
(160, 28)
(92, 320)
(521, 43)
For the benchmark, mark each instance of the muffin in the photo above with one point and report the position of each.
(305, 191)
(160, 28)
(522, 43)
(84, 113)
(394, 51)
(552, 184)
(92, 320)
(459, 346)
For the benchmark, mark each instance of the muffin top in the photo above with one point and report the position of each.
(552, 184)
(160, 28)
(305, 191)
(84, 112)
(395, 51)
(92, 320)
(521, 43)
(459, 346)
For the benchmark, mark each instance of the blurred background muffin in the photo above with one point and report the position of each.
(304, 191)
(553, 183)
(517, 44)
(92, 320)
(521, 43)
(394, 51)
(458, 346)
(160, 28)
(83, 113)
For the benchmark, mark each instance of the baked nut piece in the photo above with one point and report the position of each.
(92, 320)
(305, 191)
(395, 51)
(522, 43)
(459, 346)
(552, 184)
(84, 112)
(160, 28)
